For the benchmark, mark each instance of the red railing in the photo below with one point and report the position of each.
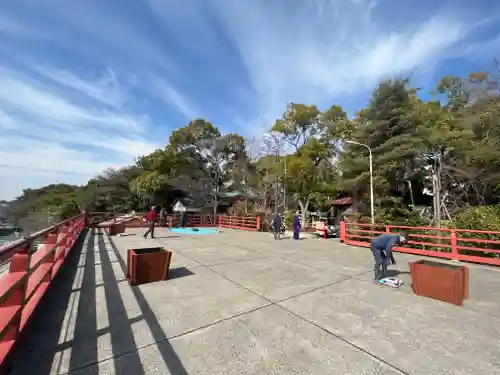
(251, 223)
(475, 246)
(29, 275)
(192, 221)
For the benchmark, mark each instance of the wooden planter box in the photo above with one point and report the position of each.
(116, 228)
(441, 281)
(135, 222)
(148, 265)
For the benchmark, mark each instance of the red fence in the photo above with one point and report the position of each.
(193, 220)
(475, 246)
(29, 275)
(251, 223)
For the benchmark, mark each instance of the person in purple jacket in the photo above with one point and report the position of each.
(296, 226)
(381, 247)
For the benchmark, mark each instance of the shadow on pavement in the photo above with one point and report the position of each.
(176, 273)
(395, 273)
(169, 356)
(51, 346)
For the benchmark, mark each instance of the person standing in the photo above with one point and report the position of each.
(183, 219)
(296, 226)
(151, 221)
(381, 247)
(163, 217)
(277, 223)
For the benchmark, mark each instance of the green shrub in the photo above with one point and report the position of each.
(479, 218)
(484, 218)
(288, 219)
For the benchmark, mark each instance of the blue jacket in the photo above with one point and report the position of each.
(385, 242)
(296, 222)
(277, 222)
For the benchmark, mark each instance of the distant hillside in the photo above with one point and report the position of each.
(36, 209)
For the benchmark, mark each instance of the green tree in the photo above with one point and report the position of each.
(209, 152)
(299, 123)
(387, 126)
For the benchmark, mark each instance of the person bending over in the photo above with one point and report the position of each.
(381, 247)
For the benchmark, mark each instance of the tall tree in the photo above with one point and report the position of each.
(298, 124)
(213, 153)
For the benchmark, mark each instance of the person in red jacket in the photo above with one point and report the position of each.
(151, 220)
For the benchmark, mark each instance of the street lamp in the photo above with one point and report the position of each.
(371, 176)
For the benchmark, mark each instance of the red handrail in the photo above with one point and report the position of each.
(448, 243)
(193, 220)
(30, 274)
(251, 223)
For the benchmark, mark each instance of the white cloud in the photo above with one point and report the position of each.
(104, 88)
(39, 102)
(71, 122)
(104, 29)
(488, 48)
(6, 121)
(11, 26)
(312, 53)
(167, 93)
(27, 163)
(188, 21)
(45, 134)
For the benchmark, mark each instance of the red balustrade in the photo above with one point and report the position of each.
(193, 220)
(250, 223)
(475, 246)
(30, 273)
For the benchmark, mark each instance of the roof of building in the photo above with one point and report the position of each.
(342, 201)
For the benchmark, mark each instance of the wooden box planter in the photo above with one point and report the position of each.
(116, 228)
(441, 281)
(148, 265)
(135, 222)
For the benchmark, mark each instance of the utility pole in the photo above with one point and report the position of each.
(436, 190)
(265, 192)
(284, 190)
(372, 207)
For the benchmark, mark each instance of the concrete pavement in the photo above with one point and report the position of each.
(243, 303)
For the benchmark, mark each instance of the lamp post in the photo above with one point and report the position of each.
(285, 207)
(371, 177)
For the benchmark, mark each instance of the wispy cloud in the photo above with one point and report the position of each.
(89, 84)
(104, 88)
(333, 49)
(43, 130)
(11, 26)
(6, 121)
(113, 31)
(43, 104)
(168, 94)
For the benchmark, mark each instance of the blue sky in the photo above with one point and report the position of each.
(91, 84)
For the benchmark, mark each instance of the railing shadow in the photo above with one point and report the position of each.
(167, 352)
(57, 342)
(120, 330)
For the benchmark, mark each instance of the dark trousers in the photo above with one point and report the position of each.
(380, 268)
(277, 233)
(151, 229)
(296, 234)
